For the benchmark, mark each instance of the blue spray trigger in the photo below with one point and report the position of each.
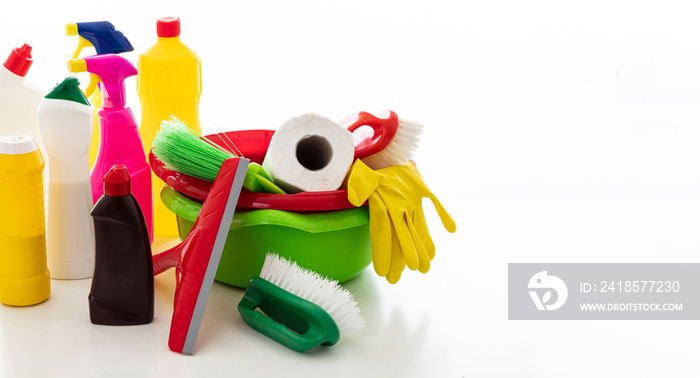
(104, 37)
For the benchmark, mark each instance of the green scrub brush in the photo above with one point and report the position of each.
(298, 308)
(184, 150)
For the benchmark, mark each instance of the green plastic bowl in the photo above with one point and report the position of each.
(333, 243)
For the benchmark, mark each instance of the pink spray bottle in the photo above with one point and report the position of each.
(120, 142)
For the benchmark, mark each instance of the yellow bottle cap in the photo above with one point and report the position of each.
(77, 65)
(71, 29)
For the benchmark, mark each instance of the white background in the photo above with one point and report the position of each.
(554, 132)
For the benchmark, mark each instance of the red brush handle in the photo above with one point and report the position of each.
(385, 126)
(192, 186)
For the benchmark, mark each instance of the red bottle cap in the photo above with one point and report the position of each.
(117, 182)
(20, 60)
(168, 27)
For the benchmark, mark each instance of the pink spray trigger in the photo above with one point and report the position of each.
(384, 129)
(112, 69)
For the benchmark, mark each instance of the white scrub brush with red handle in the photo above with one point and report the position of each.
(391, 142)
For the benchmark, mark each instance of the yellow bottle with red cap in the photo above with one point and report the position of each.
(169, 82)
(24, 275)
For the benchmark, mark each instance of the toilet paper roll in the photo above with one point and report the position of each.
(309, 153)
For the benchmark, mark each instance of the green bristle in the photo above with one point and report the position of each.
(182, 149)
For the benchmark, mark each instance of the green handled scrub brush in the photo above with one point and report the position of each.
(184, 150)
(300, 309)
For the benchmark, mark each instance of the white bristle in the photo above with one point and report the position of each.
(327, 294)
(401, 148)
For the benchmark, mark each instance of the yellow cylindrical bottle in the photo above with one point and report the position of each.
(169, 84)
(24, 275)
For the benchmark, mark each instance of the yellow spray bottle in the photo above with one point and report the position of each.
(24, 275)
(106, 39)
(169, 83)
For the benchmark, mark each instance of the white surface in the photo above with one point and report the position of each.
(555, 132)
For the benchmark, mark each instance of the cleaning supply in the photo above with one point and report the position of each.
(197, 257)
(106, 39)
(398, 230)
(169, 83)
(391, 142)
(252, 144)
(122, 290)
(119, 137)
(19, 99)
(258, 180)
(101, 35)
(24, 276)
(65, 120)
(300, 309)
(183, 149)
(335, 244)
(309, 153)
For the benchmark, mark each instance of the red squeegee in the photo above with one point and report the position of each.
(197, 257)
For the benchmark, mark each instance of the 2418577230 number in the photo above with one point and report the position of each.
(639, 286)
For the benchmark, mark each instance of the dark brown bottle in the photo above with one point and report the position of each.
(122, 286)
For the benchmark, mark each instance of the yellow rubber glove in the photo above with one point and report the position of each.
(398, 230)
